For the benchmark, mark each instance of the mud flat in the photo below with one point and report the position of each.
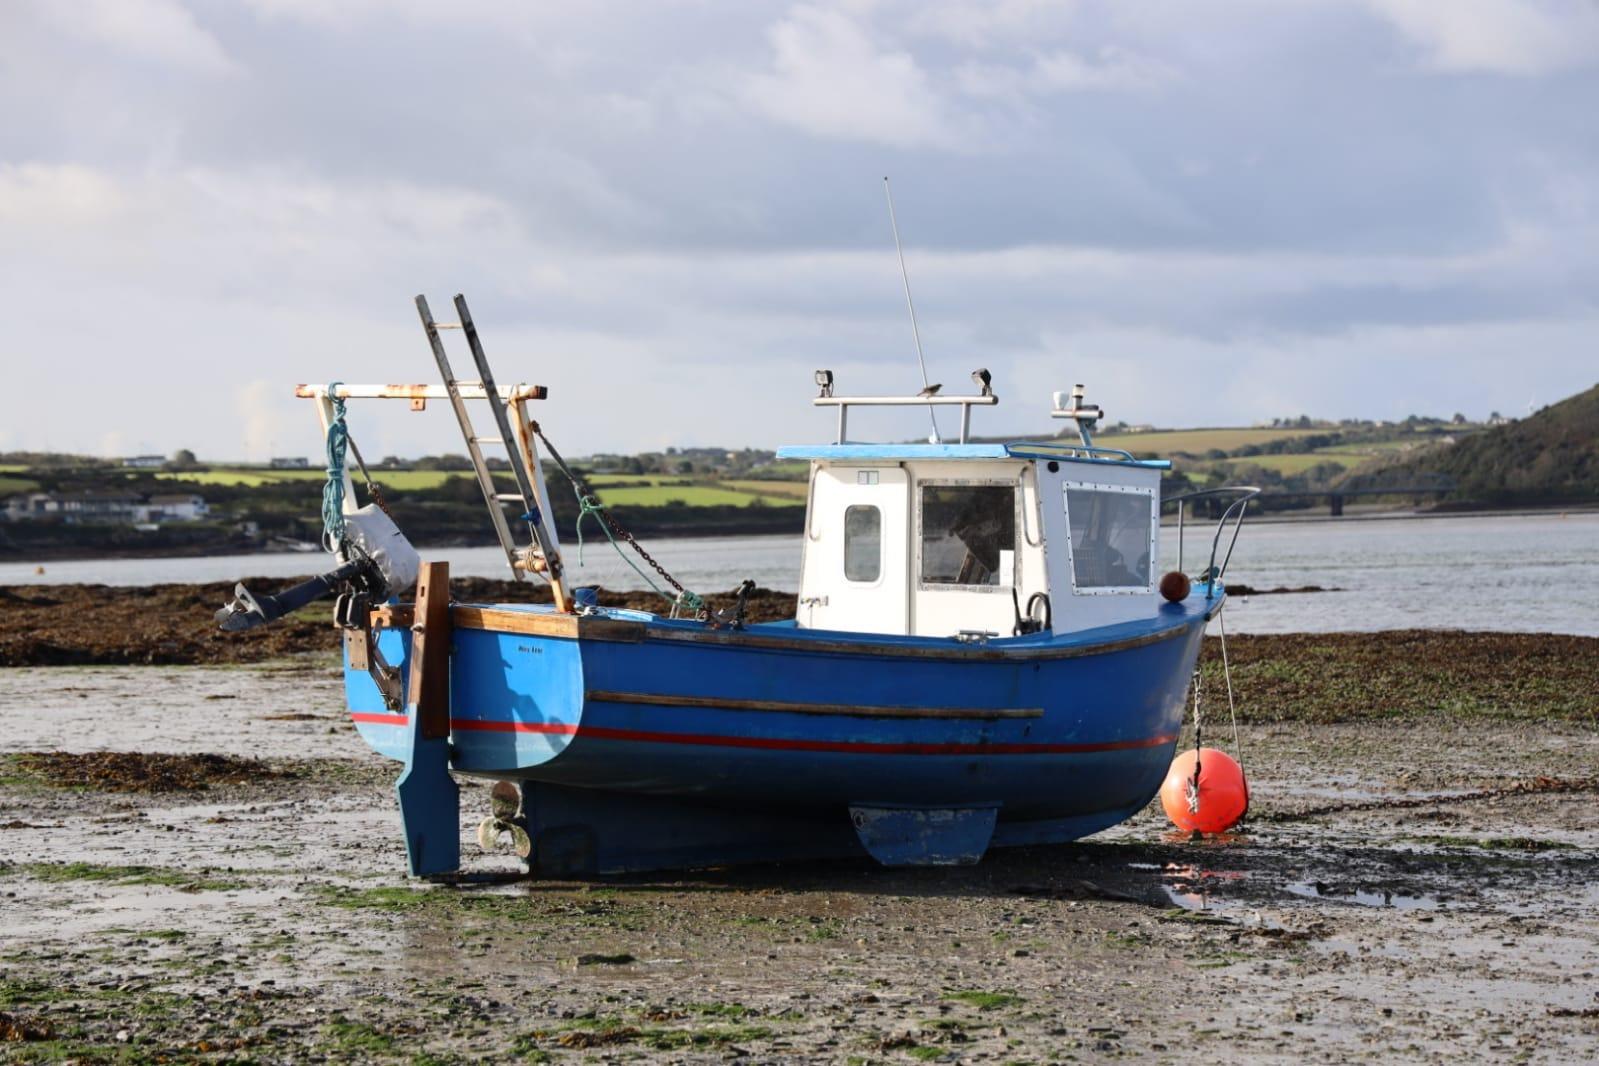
(204, 864)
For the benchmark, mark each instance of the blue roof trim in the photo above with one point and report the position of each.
(1023, 450)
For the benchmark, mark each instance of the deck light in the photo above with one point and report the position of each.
(983, 380)
(824, 381)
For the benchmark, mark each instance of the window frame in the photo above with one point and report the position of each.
(1017, 533)
(844, 542)
(1153, 536)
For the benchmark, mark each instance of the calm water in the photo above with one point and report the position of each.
(1505, 573)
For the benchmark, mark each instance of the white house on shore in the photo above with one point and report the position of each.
(111, 508)
(176, 507)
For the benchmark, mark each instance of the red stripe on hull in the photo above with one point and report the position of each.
(776, 743)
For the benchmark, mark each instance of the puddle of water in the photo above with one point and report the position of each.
(1363, 897)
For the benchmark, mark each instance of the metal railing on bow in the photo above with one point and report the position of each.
(1233, 513)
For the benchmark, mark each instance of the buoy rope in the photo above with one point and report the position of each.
(1199, 743)
(1227, 674)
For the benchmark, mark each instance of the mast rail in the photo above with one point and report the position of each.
(965, 403)
(1044, 448)
(468, 391)
(1234, 514)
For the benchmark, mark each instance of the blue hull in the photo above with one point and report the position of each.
(651, 743)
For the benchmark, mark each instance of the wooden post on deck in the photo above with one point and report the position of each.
(430, 652)
(430, 800)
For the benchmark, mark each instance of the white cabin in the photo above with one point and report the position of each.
(952, 540)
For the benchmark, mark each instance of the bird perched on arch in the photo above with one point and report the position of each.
(931, 390)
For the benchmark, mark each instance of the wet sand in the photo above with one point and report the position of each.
(1408, 888)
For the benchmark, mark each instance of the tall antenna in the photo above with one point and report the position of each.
(921, 361)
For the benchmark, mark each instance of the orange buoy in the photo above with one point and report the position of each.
(1175, 586)
(1222, 796)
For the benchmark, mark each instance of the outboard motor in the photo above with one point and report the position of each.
(376, 562)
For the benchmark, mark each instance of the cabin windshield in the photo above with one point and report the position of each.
(1110, 536)
(968, 534)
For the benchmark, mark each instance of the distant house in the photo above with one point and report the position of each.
(145, 462)
(30, 505)
(114, 508)
(75, 507)
(176, 507)
(289, 462)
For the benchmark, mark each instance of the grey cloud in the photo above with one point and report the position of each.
(1249, 192)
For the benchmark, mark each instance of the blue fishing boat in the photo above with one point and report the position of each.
(981, 656)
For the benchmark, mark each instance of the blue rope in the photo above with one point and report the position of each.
(333, 490)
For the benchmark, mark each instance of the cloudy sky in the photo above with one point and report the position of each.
(1210, 212)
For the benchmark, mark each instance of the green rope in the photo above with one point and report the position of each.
(589, 505)
(333, 489)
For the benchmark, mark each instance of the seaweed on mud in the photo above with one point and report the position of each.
(17, 1028)
(131, 771)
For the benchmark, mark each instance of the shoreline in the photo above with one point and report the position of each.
(1352, 514)
(1319, 677)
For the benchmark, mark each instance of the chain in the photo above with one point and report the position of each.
(588, 504)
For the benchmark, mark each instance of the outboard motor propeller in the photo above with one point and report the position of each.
(247, 610)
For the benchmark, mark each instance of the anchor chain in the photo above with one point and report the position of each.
(589, 504)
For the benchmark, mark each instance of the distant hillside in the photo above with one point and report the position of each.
(1548, 457)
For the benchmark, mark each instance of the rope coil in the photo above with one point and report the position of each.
(333, 489)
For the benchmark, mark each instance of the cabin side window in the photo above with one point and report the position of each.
(863, 542)
(968, 534)
(1111, 529)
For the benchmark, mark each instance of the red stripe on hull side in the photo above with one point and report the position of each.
(777, 743)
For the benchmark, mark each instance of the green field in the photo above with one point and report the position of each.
(1372, 448)
(1196, 441)
(400, 480)
(788, 470)
(794, 490)
(9, 485)
(600, 481)
(692, 495)
(1290, 464)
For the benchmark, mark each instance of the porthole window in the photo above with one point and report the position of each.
(863, 543)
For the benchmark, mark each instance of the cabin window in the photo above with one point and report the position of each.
(968, 534)
(863, 543)
(1111, 528)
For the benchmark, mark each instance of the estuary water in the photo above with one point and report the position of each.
(1508, 573)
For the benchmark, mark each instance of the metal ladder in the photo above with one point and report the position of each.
(540, 552)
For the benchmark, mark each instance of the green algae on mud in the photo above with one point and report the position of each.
(186, 880)
(1412, 673)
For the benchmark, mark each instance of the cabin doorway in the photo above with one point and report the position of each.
(856, 551)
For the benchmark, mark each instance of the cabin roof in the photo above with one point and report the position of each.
(1015, 450)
